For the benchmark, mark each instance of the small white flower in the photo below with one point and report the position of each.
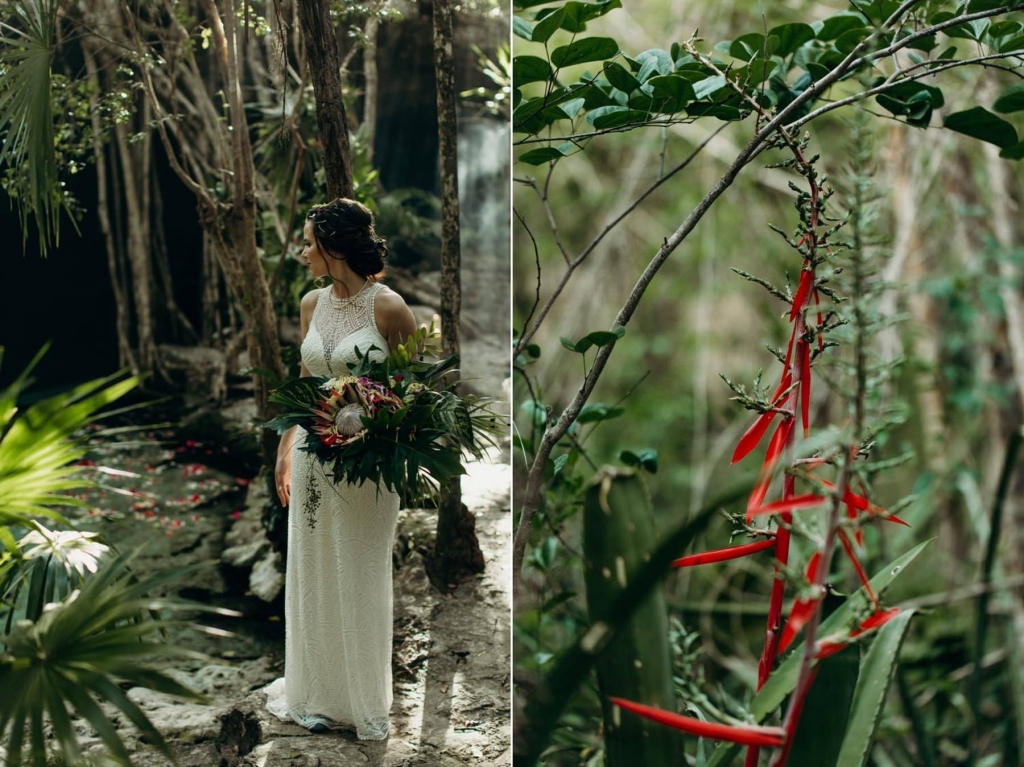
(347, 420)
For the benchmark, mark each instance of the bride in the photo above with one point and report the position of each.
(338, 598)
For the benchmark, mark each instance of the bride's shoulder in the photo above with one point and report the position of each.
(308, 302)
(388, 301)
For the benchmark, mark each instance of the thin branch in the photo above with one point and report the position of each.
(530, 330)
(536, 258)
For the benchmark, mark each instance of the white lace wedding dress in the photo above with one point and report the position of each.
(338, 598)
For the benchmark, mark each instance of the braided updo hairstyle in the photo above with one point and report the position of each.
(343, 230)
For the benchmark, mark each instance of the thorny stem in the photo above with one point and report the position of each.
(807, 672)
(757, 144)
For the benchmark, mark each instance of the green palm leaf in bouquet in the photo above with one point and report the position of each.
(391, 421)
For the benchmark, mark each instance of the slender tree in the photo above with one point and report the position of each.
(457, 552)
(325, 71)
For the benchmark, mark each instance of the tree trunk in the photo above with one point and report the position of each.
(126, 356)
(457, 554)
(135, 177)
(237, 253)
(325, 70)
(370, 91)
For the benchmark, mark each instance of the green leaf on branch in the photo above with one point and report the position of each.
(1010, 100)
(979, 123)
(753, 45)
(675, 88)
(833, 26)
(654, 62)
(522, 28)
(915, 101)
(1015, 152)
(583, 51)
(595, 338)
(756, 72)
(876, 10)
(529, 69)
(646, 459)
(708, 86)
(534, 413)
(791, 37)
(550, 24)
(876, 672)
(546, 154)
(577, 14)
(597, 411)
(615, 117)
(620, 77)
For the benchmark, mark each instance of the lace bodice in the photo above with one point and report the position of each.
(337, 327)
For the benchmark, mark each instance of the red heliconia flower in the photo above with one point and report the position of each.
(795, 503)
(745, 734)
(723, 555)
(803, 608)
(753, 435)
(806, 281)
(829, 647)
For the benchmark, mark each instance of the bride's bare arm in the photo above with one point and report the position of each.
(283, 469)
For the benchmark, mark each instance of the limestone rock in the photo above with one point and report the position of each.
(266, 579)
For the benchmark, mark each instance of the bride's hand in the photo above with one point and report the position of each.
(283, 469)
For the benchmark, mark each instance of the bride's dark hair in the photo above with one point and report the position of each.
(343, 229)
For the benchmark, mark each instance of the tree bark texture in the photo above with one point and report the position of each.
(134, 161)
(325, 72)
(457, 553)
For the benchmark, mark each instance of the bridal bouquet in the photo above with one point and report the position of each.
(387, 422)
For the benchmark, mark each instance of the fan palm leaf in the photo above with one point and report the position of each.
(27, 38)
(37, 446)
(78, 653)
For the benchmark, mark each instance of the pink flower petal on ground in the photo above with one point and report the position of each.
(749, 735)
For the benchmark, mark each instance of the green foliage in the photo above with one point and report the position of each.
(618, 537)
(876, 674)
(73, 627)
(81, 650)
(27, 32)
(493, 101)
(782, 681)
(37, 446)
(683, 84)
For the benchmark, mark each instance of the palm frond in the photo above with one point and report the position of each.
(26, 112)
(37, 447)
(78, 652)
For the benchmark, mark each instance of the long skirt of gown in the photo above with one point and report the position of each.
(338, 603)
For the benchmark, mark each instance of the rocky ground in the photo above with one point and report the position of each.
(451, 659)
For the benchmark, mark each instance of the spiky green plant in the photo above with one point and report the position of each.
(27, 35)
(81, 651)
